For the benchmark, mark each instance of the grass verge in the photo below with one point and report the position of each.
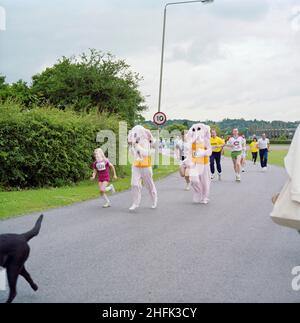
(276, 157)
(28, 201)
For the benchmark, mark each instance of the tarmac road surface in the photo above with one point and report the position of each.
(227, 251)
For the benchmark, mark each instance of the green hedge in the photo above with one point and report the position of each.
(47, 147)
(280, 142)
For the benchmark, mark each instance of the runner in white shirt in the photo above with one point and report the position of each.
(181, 148)
(237, 144)
(264, 147)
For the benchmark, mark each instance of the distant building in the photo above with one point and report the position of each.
(277, 133)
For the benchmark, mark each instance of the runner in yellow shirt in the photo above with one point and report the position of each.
(254, 149)
(217, 144)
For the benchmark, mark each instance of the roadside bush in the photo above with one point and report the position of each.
(276, 142)
(280, 142)
(47, 147)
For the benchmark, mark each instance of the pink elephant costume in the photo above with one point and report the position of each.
(140, 141)
(197, 160)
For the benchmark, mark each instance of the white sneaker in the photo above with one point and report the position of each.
(113, 190)
(213, 176)
(220, 177)
(188, 187)
(238, 178)
(154, 205)
(133, 207)
(106, 205)
(204, 201)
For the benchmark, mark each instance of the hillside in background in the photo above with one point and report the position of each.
(248, 127)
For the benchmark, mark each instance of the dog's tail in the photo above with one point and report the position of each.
(35, 230)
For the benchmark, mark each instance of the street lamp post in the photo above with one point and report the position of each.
(163, 43)
(162, 59)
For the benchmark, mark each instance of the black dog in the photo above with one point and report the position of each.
(14, 251)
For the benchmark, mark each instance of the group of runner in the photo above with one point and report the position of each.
(236, 143)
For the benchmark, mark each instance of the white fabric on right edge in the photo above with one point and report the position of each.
(286, 210)
(292, 165)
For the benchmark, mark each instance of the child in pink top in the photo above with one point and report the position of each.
(101, 168)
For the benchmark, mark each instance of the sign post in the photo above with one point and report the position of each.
(159, 119)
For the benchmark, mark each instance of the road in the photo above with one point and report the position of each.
(227, 251)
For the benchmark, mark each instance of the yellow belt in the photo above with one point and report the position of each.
(146, 162)
(199, 160)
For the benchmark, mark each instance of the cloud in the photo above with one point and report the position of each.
(240, 10)
(240, 68)
(231, 58)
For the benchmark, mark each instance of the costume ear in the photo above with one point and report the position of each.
(149, 136)
(207, 132)
(129, 138)
(189, 134)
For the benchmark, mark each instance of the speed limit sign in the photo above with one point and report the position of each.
(160, 118)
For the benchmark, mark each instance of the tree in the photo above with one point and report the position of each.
(217, 128)
(19, 92)
(4, 89)
(186, 124)
(2, 81)
(176, 126)
(94, 80)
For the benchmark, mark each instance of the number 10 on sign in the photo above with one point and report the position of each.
(160, 118)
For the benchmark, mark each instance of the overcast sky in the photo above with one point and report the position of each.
(231, 58)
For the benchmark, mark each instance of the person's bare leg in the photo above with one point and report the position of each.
(102, 187)
(238, 168)
(275, 198)
(243, 164)
(182, 171)
(187, 175)
(187, 179)
(238, 165)
(234, 165)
